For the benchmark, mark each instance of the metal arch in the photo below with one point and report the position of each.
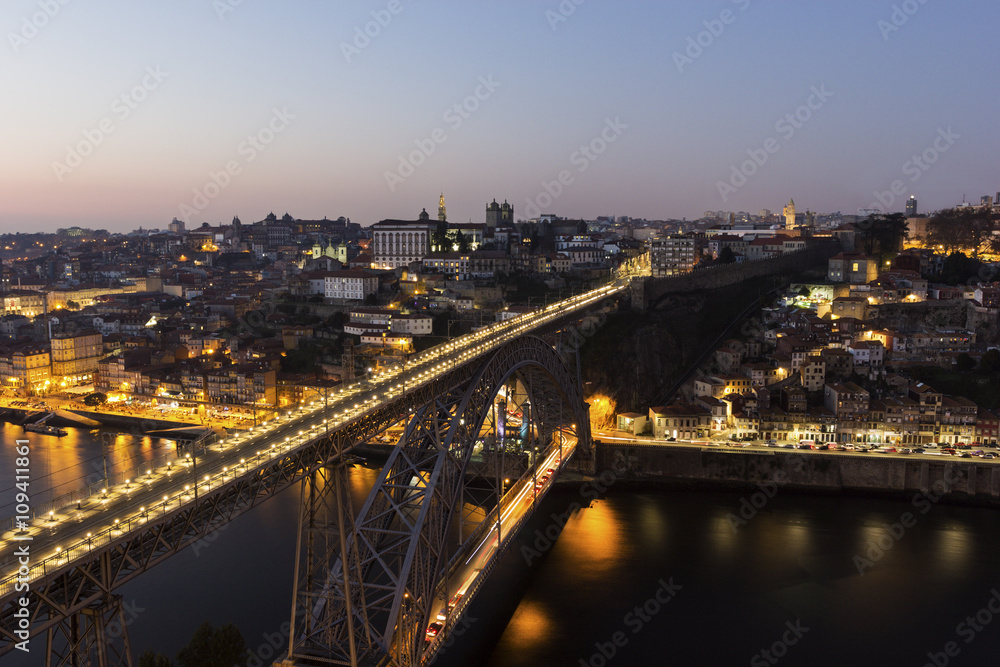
(484, 388)
(66, 588)
(398, 543)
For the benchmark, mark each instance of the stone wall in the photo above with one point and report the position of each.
(812, 258)
(961, 479)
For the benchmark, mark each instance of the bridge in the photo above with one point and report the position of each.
(383, 586)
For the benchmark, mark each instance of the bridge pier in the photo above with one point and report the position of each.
(368, 587)
(96, 636)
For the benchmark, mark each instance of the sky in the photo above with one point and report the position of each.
(120, 114)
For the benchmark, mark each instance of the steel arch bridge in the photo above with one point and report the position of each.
(368, 587)
(72, 607)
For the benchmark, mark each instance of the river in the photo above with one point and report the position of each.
(639, 576)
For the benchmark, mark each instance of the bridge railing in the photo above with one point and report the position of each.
(88, 490)
(40, 568)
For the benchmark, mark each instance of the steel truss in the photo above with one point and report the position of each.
(366, 589)
(81, 583)
(64, 590)
(96, 637)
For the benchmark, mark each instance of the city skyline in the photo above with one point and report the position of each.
(130, 116)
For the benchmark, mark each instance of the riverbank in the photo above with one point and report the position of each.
(962, 481)
(91, 419)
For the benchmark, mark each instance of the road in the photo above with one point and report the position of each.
(466, 575)
(72, 532)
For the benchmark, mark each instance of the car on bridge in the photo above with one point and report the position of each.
(432, 630)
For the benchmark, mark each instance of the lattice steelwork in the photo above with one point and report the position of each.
(95, 637)
(374, 609)
(68, 586)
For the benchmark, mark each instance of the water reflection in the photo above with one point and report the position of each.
(798, 560)
(60, 465)
(595, 534)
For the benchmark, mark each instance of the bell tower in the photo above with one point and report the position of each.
(790, 214)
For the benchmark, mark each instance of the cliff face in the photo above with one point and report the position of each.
(635, 358)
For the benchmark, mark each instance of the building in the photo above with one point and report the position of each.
(854, 268)
(350, 284)
(499, 215)
(855, 307)
(789, 213)
(673, 255)
(30, 369)
(75, 357)
(911, 207)
(868, 353)
(957, 421)
(396, 243)
(23, 302)
(850, 404)
(812, 374)
(415, 325)
(680, 421)
(455, 265)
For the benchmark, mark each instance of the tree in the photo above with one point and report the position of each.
(461, 240)
(967, 228)
(211, 648)
(882, 234)
(337, 320)
(95, 399)
(726, 256)
(151, 659)
(958, 268)
(964, 363)
(439, 238)
(990, 362)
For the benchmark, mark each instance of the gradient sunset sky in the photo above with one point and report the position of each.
(897, 77)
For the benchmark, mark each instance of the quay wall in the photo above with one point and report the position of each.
(963, 480)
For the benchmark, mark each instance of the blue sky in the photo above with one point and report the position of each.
(201, 77)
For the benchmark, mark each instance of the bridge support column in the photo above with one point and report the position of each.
(96, 636)
(326, 536)
(368, 587)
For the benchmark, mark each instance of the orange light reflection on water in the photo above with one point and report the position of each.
(595, 535)
(529, 626)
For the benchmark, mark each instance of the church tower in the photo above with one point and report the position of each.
(442, 215)
(790, 214)
(493, 214)
(506, 214)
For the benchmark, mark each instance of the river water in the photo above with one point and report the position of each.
(638, 576)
